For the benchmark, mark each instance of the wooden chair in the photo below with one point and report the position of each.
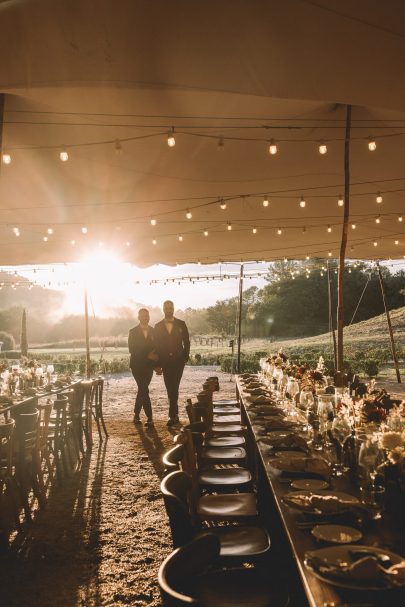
(8, 484)
(210, 456)
(191, 576)
(43, 450)
(236, 541)
(97, 406)
(200, 412)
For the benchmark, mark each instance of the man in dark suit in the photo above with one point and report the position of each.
(141, 344)
(173, 349)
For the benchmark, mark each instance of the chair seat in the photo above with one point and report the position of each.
(242, 540)
(225, 401)
(226, 419)
(226, 506)
(226, 476)
(226, 411)
(238, 587)
(223, 453)
(225, 441)
(227, 428)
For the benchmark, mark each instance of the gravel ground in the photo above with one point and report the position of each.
(104, 532)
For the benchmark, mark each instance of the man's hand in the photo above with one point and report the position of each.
(152, 356)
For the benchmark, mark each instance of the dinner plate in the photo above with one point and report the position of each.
(309, 484)
(336, 534)
(301, 465)
(336, 555)
(293, 500)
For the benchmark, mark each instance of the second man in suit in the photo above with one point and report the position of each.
(173, 349)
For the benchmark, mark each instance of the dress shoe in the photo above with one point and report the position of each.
(149, 424)
(137, 420)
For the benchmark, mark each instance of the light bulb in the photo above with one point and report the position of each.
(375, 243)
(340, 201)
(229, 226)
(279, 231)
(307, 257)
(180, 238)
(152, 221)
(329, 254)
(100, 243)
(397, 242)
(353, 226)
(189, 214)
(265, 201)
(254, 230)
(128, 244)
(154, 241)
(221, 144)
(377, 219)
(302, 202)
(272, 147)
(285, 259)
(372, 145)
(400, 218)
(171, 141)
(72, 242)
(16, 230)
(323, 148)
(84, 230)
(63, 155)
(222, 205)
(6, 158)
(45, 239)
(329, 229)
(118, 147)
(379, 198)
(205, 232)
(50, 230)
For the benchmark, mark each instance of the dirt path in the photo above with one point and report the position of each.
(104, 533)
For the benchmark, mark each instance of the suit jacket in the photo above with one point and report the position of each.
(174, 345)
(140, 347)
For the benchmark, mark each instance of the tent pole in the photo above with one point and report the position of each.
(1, 126)
(86, 323)
(387, 313)
(340, 309)
(240, 315)
(331, 329)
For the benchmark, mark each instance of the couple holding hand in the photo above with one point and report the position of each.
(165, 349)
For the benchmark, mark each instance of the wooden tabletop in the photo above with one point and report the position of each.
(385, 533)
(28, 400)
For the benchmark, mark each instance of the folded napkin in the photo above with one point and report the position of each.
(289, 442)
(278, 424)
(312, 465)
(261, 398)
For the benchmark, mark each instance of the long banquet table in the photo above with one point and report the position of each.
(386, 533)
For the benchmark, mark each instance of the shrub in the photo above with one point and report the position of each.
(8, 341)
(370, 367)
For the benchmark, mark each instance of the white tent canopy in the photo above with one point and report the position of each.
(95, 77)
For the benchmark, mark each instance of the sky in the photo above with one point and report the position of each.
(112, 284)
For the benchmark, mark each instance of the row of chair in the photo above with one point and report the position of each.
(208, 487)
(42, 441)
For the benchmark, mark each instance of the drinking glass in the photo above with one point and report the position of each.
(374, 497)
(371, 455)
(340, 431)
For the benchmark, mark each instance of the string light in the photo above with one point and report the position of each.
(353, 226)
(285, 259)
(63, 155)
(222, 205)
(302, 202)
(372, 144)
(329, 229)
(72, 242)
(50, 230)
(378, 219)
(154, 241)
(379, 198)
(180, 238)
(171, 141)
(229, 226)
(189, 214)
(152, 221)
(400, 218)
(340, 201)
(323, 148)
(266, 201)
(254, 230)
(84, 230)
(45, 238)
(273, 147)
(307, 257)
(375, 243)
(6, 158)
(329, 254)
(396, 242)
(100, 243)
(128, 244)
(205, 232)
(118, 147)
(279, 231)
(221, 144)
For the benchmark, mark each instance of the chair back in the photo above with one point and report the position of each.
(45, 412)
(26, 434)
(173, 458)
(6, 449)
(176, 488)
(189, 461)
(178, 571)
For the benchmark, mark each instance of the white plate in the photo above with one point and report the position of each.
(333, 555)
(337, 534)
(310, 509)
(309, 484)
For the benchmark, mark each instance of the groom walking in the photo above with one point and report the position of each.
(173, 349)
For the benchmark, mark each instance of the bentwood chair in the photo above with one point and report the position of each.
(191, 576)
(8, 486)
(236, 541)
(97, 406)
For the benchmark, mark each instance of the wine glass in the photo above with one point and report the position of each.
(340, 430)
(371, 455)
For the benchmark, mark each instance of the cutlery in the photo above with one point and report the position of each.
(384, 560)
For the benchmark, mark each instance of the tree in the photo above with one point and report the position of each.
(7, 341)
(24, 339)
